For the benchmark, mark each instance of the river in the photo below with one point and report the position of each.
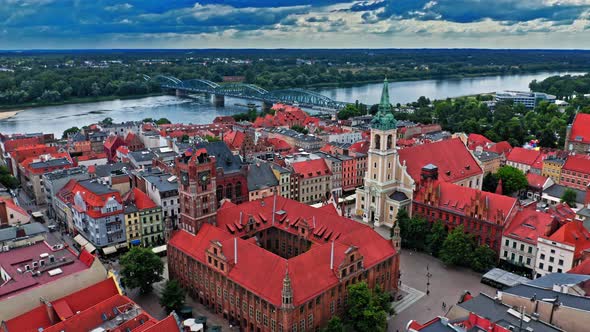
(55, 119)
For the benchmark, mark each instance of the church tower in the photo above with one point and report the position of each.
(387, 184)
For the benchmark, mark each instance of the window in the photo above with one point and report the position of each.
(302, 325)
(551, 259)
(560, 262)
(550, 268)
(542, 256)
(507, 243)
(528, 261)
(541, 265)
(505, 254)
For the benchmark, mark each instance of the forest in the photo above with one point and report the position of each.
(51, 77)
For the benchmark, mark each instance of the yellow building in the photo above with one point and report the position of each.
(132, 226)
(552, 168)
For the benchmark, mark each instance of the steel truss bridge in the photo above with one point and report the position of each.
(302, 97)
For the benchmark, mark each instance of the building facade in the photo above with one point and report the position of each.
(578, 135)
(388, 186)
(314, 180)
(552, 168)
(575, 173)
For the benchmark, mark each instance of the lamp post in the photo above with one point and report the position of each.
(428, 275)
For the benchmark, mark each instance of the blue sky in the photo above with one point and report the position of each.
(54, 24)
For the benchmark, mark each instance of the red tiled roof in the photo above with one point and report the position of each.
(528, 224)
(261, 271)
(111, 140)
(311, 168)
(456, 198)
(92, 200)
(580, 131)
(578, 163)
(502, 147)
(474, 140)
(10, 204)
(27, 162)
(536, 180)
(582, 268)
(234, 139)
(329, 208)
(360, 147)
(452, 158)
(142, 200)
(279, 144)
(573, 233)
(523, 156)
(65, 307)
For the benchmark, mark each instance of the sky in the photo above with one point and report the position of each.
(68, 24)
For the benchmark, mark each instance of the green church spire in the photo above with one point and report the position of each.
(384, 119)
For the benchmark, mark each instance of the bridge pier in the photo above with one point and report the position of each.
(181, 93)
(266, 105)
(219, 100)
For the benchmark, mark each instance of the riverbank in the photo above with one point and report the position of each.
(435, 77)
(22, 107)
(7, 114)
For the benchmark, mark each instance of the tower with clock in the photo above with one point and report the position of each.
(196, 190)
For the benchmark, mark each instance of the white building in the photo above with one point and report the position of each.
(528, 99)
(563, 250)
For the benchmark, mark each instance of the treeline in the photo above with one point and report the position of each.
(565, 87)
(51, 77)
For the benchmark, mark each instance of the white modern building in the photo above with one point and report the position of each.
(528, 99)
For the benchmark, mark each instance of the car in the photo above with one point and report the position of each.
(52, 228)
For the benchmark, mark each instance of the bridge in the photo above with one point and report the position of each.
(301, 97)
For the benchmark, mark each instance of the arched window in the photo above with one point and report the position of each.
(389, 142)
(229, 191)
(377, 142)
(219, 193)
(238, 189)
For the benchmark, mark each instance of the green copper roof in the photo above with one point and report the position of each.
(384, 119)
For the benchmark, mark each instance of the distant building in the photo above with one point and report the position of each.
(562, 250)
(523, 159)
(56, 180)
(12, 214)
(528, 99)
(149, 215)
(261, 181)
(575, 173)
(314, 180)
(33, 168)
(162, 188)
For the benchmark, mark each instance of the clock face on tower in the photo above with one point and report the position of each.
(204, 178)
(184, 178)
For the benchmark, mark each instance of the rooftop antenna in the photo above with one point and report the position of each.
(235, 251)
(332, 256)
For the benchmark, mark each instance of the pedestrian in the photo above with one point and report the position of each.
(444, 305)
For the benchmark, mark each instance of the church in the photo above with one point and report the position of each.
(388, 185)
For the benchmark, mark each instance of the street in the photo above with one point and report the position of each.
(447, 284)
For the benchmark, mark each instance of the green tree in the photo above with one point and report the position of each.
(7, 179)
(172, 298)
(415, 233)
(548, 138)
(569, 197)
(107, 121)
(483, 259)
(456, 249)
(364, 313)
(300, 129)
(334, 325)
(147, 120)
(162, 121)
(402, 220)
(436, 237)
(210, 138)
(69, 131)
(185, 138)
(490, 183)
(140, 268)
(513, 179)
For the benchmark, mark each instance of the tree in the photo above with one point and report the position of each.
(436, 237)
(69, 131)
(140, 268)
(147, 120)
(513, 179)
(300, 129)
(456, 249)
(334, 325)
(569, 197)
(414, 233)
(172, 298)
(107, 121)
(402, 220)
(490, 183)
(162, 121)
(210, 138)
(364, 312)
(548, 139)
(7, 179)
(483, 259)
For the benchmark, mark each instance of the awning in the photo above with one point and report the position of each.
(135, 242)
(159, 249)
(109, 250)
(80, 240)
(89, 247)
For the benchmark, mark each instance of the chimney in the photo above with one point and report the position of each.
(429, 172)
(235, 251)
(332, 256)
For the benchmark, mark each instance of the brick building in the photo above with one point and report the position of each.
(279, 265)
(575, 173)
(578, 135)
(231, 177)
(482, 214)
(196, 190)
